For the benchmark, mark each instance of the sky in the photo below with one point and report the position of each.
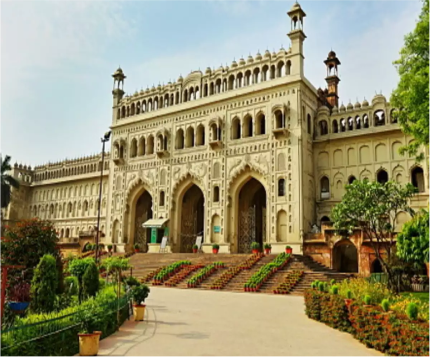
(57, 57)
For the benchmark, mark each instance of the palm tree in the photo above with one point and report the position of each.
(7, 181)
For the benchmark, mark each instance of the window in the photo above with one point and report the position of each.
(325, 188)
(200, 135)
(236, 128)
(216, 194)
(335, 127)
(279, 120)
(418, 178)
(309, 122)
(382, 176)
(351, 179)
(150, 145)
(379, 118)
(247, 126)
(162, 198)
(281, 187)
(260, 125)
(189, 140)
(180, 139)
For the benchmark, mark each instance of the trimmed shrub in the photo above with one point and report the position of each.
(71, 285)
(367, 300)
(78, 268)
(349, 294)
(313, 304)
(385, 304)
(44, 284)
(90, 280)
(334, 312)
(321, 286)
(412, 311)
(334, 289)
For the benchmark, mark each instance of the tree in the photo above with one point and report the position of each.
(77, 268)
(26, 243)
(90, 280)
(44, 284)
(373, 207)
(413, 240)
(7, 182)
(412, 93)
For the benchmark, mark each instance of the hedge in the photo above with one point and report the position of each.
(389, 332)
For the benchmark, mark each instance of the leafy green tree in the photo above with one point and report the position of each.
(372, 207)
(44, 284)
(7, 181)
(90, 280)
(412, 93)
(77, 268)
(413, 240)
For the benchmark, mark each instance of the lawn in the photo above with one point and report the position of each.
(423, 296)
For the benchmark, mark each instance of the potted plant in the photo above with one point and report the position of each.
(267, 248)
(139, 293)
(288, 250)
(109, 247)
(255, 246)
(19, 296)
(195, 248)
(136, 248)
(215, 248)
(89, 341)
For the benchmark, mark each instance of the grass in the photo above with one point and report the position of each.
(423, 296)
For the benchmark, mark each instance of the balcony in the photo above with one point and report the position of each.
(216, 144)
(280, 133)
(162, 153)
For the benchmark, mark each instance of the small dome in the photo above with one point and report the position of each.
(250, 59)
(273, 54)
(365, 103)
(335, 109)
(342, 108)
(147, 90)
(180, 79)
(234, 64)
(267, 54)
(296, 6)
(282, 50)
(136, 92)
(153, 89)
(142, 91)
(118, 72)
(379, 98)
(159, 86)
(258, 56)
(242, 61)
(331, 54)
(357, 105)
(323, 109)
(221, 68)
(208, 70)
(350, 106)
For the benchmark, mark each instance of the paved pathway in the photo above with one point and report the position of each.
(197, 322)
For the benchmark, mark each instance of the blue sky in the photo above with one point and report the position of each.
(58, 57)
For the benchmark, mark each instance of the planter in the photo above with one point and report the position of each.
(89, 343)
(195, 250)
(138, 312)
(255, 251)
(18, 307)
(289, 250)
(267, 251)
(215, 251)
(136, 250)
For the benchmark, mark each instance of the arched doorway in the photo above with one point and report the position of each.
(251, 215)
(192, 218)
(376, 267)
(143, 212)
(345, 257)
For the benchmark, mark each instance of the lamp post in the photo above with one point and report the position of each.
(104, 140)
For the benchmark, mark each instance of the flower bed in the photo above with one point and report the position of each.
(255, 282)
(169, 271)
(289, 283)
(225, 278)
(182, 274)
(389, 332)
(203, 274)
(148, 277)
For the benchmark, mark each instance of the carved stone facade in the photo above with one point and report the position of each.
(249, 152)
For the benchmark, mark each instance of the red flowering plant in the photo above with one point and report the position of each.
(25, 244)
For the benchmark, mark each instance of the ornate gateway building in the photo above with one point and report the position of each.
(249, 152)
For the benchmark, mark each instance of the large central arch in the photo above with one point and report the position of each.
(345, 256)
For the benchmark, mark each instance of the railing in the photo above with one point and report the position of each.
(58, 336)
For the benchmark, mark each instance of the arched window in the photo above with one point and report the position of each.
(264, 72)
(351, 179)
(200, 140)
(247, 78)
(335, 127)
(177, 98)
(231, 82)
(325, 188)
(214, 132)
(342, 125)
(272, 71)
(67, 232)
(324, 220)
(235, 126)
(144, 106)
(323, 127)
(365, 121)
(141, 148)
(162, 198)
(216, 194)
(123, 112)
(288, 69)
(280, 68)
(281, 187)
(189, 140)
(382, 176)
(180, 139)
(150, 145)
(247, 126)
(379, 118)
(260, 124)
(133, 109)
(279, 119)
(417, 176)
(239, 80)
(160, 142)
(133, 148)
(309, 124)
(357, 122)
(216, 173)
(350, 123)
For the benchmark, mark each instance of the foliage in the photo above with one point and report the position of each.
(412, 311)
(20, 292)
(313, 304)
(195, 246)
(182, 274)
(385, 304)
(215, 246)
(360, 287)
(90, 280)
(321, 286)
(7, 181)
(267, 246)
(335, 290)
(348, 294)
(413, 240)
(373, 208)
(71, 285)
(136, 246)
(255, 245)
(401, 302)
(265, 272)
(78, 268)
(109, 246)
(139, 293)
(334, 312)
(44, 284)
(412, 92)
(131, 281)
(367, 299)
(25, 244)
(169, 271)
(201, 275)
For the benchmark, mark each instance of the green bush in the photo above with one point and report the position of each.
(332, 281)
(139, 293)
(367, 299)
(348, 294)
(90, 280)
(255, 245)
(412, 311)
(360, 287)
(321, 286)
(131, 281)
(44, 284)
(313, 304)
(385, 304)
(78, 268)
(334, 289)
(71, 285)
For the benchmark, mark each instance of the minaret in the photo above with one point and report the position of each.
(118, 86)
(332, 79)
(297, 36)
